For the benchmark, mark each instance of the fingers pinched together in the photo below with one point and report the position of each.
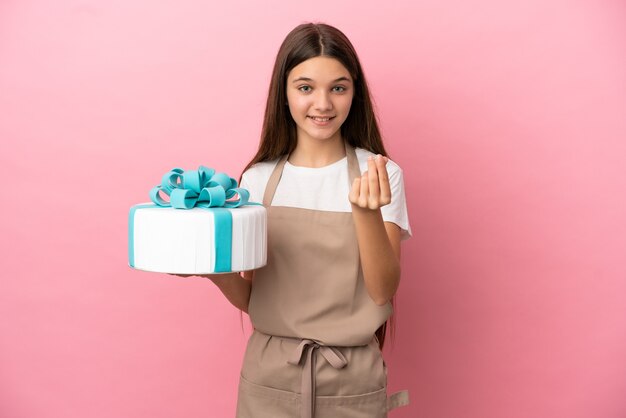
(372, 190)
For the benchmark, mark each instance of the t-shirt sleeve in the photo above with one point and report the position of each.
(255, 179)
(244, 181)
(248, 182)
(396, 211)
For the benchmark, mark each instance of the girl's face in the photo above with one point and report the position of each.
(319, 94)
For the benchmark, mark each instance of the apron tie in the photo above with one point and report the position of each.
(333, 356)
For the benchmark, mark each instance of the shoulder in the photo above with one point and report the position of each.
(255, 179)
(259, 173)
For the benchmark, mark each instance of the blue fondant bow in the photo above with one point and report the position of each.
(202, 188)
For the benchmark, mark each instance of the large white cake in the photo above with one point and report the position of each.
(184, 241)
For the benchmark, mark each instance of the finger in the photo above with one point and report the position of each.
(381, 168)
(364, 192)
(374, 189)
(355, 191)
(383, 180)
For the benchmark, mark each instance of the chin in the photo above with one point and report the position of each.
(324, 136)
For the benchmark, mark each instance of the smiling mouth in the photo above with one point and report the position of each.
(321, 119)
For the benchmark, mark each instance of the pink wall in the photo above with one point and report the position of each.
(510, 123)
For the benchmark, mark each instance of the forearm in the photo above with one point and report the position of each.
(234, 287)
(379, 261)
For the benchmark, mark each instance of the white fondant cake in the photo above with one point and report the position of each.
(169, 240)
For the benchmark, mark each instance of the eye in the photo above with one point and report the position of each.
(304, 89)
(339, 89)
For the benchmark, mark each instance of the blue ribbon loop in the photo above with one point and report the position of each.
(201, 188)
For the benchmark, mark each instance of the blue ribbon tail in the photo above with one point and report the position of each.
(223, 239)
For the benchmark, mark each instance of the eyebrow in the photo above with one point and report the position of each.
(310, 79)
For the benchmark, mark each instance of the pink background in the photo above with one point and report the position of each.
(508, 119)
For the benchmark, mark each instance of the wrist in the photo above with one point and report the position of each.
(219, 279)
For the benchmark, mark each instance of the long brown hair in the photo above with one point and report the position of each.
(360, 129)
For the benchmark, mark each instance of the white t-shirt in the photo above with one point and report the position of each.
(326, 188)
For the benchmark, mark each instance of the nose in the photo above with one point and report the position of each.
(323, 101)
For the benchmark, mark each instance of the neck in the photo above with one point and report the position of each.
(315, 153)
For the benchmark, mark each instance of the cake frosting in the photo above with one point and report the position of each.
(172, 240)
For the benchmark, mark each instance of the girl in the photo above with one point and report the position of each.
(336, 216)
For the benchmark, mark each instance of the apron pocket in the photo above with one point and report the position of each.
(367, 405)
(256, 401)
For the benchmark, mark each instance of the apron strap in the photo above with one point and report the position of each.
(270, 189)
(307, 390)
(353, 165)
(272, 183)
